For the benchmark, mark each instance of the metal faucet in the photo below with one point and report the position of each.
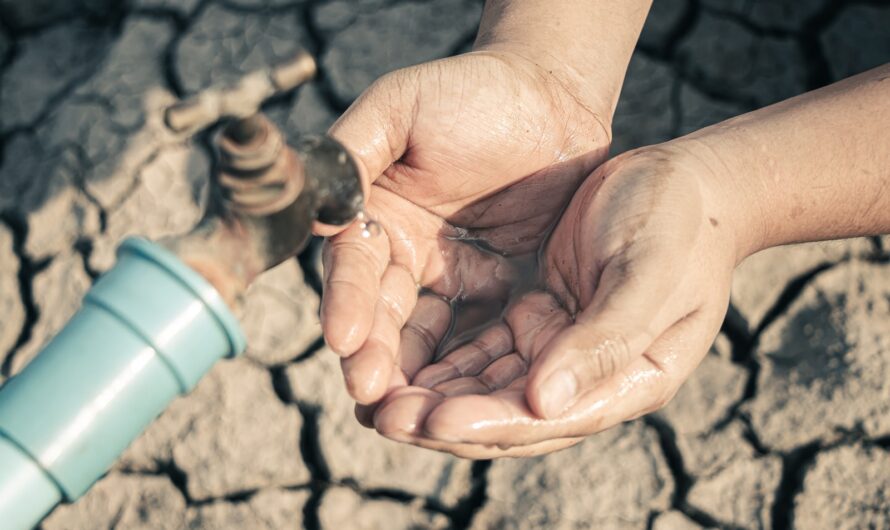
(269, 192)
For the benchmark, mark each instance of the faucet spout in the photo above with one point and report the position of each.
(268, 195)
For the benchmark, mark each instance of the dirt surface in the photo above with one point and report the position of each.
(785, 425)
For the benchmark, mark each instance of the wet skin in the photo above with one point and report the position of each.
(622, 263)
(477, 157)
(485, 147)
(454, 337)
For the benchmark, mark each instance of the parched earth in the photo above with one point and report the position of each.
(785, 425)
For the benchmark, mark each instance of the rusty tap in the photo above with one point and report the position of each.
(241, 100)
(268, 192)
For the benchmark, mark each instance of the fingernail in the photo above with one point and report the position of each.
(557, 393)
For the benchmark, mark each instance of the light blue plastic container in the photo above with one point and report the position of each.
(146, 333)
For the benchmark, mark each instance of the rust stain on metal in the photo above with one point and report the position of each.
(241, 100)
(266, 194)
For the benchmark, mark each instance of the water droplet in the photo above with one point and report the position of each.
(370, 229)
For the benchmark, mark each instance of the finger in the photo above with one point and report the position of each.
(488, 452)
(404, 410)
(625, 315)
(410, 405)
(503, 371)
(422, 334)
(534, 320)
(642, 386)
(469, 359)
(495, 376)
(353, 268)
(364, 413)
(461, 386)
(458, 419)
(418, 342)
(375, 128)
(367, 372)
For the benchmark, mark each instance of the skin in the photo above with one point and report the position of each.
(631, 285)
(485, 147)
(635, 287)
(627, 290)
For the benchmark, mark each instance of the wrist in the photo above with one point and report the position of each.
(810, 168)
(596, 92)
(587, 43)
(734, 203)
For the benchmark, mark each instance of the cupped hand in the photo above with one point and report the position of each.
(468, 160)
(634, 284)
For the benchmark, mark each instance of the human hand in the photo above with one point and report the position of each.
(635, 282)
(636, 275)
(470, 154)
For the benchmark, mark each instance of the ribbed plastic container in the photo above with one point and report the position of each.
(146, 333)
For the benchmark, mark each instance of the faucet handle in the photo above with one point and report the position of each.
(241, 100)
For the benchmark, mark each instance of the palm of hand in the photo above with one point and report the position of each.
(477, 148)
(632, 292)
(483, 156)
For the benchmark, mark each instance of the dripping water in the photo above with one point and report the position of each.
(369, 227)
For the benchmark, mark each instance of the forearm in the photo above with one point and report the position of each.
(589, 40)
(811, 168)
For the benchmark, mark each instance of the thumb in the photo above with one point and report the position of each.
(375, 130)
(627, 313)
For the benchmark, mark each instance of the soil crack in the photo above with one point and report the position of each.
(28, 270)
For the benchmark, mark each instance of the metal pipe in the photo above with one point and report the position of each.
(241, 100)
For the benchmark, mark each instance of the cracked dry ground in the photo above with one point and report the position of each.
(786, 423)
